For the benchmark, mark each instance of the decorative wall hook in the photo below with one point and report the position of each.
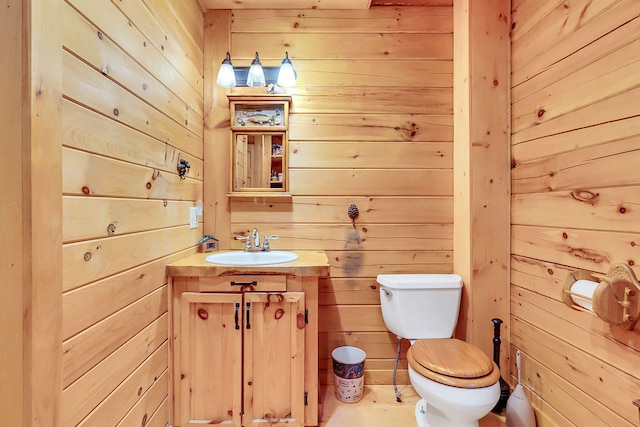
(612, 297)
(183, 168)
(353, 213)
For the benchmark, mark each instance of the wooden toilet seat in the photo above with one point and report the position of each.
(453, 362)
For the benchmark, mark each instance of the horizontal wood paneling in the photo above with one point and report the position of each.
(327, 209)
(108, 296)
(377, 100)
(346, 237)
(341, 182)
(92, 345)
(381, 74)
(358, 127)
(85, 394)
(133, 389)
(107, 98)
(132, 109)
(175, 70)
(371, 124)
(372, 46)
(379, 155)
(100, 52)
(123, 179)
(392, 19)
(87, 130)
(575, 143)
(125, 215)
(91, 260)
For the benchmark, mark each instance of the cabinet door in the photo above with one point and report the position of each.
(274, 359)
(211, 359)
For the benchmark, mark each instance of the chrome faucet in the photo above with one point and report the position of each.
(253, 242)
(255, 237)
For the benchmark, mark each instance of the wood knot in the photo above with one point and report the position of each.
(203, 314)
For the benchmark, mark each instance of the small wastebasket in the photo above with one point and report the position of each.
(348, 373)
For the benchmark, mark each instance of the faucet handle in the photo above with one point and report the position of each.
(265, 245)
(247, 245)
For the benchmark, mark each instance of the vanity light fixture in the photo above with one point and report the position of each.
(226, 75)
(286, 75)
(256, 75)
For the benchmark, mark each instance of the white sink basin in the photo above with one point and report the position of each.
(251, 258)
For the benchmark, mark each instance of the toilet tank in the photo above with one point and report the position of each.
(420, 306)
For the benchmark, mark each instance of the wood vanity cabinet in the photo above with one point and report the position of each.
(244, 350)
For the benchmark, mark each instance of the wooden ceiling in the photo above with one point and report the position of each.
(316, 4)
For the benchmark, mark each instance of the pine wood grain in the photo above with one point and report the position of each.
(132, 390)
(333, 209)
(106, 297)
(86, 349)
(106, 97)
(121, 179)
(557, 28)
(370, 127)
(393, 19)
(88, 131)
(388, 155)
(82, 396)
(82, 40)
(91, 260)
(90, 217)
(42, 162)
(13, 394)
(116, 25)
(350, 72)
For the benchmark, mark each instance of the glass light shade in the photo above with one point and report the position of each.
(286, 75)
(256, 74)
(226, 75)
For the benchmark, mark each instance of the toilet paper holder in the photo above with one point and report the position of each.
(614, 299)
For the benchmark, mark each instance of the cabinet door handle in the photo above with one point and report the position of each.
(237, 315)
(248, 312)
(252, 283)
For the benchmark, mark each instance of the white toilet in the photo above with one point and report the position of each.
(457, 382)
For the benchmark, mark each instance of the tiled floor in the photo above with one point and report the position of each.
(378, 408)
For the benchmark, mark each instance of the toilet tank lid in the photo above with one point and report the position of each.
(420, 281)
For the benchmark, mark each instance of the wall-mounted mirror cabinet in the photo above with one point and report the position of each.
(259, 149)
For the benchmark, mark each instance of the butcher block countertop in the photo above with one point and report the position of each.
(309, 263)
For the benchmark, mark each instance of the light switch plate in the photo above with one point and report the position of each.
(193, 217)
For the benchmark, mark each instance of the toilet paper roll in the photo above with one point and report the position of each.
(585, 288)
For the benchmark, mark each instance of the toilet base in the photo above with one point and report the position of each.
(428, 416)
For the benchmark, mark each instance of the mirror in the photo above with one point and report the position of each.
(259, 161)
(259, 153)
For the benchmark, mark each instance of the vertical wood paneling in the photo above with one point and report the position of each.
(372, 124)
(133, 108)
(575, 146)
(43, 163)
(481, 169)
(12, 245)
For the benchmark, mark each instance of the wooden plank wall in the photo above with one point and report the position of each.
(12, 263)
(575, 183)
(371, 124)
(132, 109)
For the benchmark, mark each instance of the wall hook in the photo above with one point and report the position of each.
(183, 168)
(353, 213)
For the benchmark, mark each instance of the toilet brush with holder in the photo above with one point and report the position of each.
(519, 410)
(504, 386)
